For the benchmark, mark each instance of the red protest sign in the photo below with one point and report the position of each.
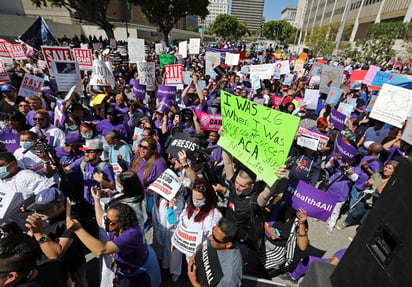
(4, 77)
(358, 75)
(4, 52)
(85, 58)
(173, 74)
(56, 54)
(17, 51)
(321, 61)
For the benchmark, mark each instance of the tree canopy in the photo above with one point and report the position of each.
(228, 27)
(277, 30)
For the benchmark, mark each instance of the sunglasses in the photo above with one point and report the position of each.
(200, 188)
(107, 220)
(144, 147)
(39, 119)
(217, 240)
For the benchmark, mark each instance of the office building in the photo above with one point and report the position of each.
(249, 12)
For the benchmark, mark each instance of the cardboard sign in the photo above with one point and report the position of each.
(212, 60)
(67, 74)
(311, 98)
(185, 240)
(371, 74)
(330, 77)
(183, 49)
(392, 105)
(173, 74)
(102, 74)
(147, 75)
(4, 77)
(136, 51)
(10, 140)
(346, 151)
(337, 119)
(56, 54)
(85, 58)
(322, 140)
(167, 184)
(194, 46)
(334, 96)
(256, 135)
(232, 59)
(30, 85)
(183, 141)
(209, 122)
(17, 51)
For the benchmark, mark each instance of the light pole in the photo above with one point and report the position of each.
(342, 26)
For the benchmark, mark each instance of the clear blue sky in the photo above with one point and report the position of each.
(274, 7)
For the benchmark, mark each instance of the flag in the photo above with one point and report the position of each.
(39, 34)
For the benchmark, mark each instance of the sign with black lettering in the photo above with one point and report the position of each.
(183, 141)
(208, 267)
(167, 184)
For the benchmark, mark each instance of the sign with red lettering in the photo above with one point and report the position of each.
(173, 74)
(85, 59)
(30, 85)
(4, 52)
(209, 122)
(321, 140)
(4, 77)
(167, 184)
(185, 240)
(17, 51)
(56, 54)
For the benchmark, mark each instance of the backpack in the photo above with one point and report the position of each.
(99, 167)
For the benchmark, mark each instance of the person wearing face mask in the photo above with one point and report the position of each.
(48, 226)
(72, 125)
(88, 132)
(18, 185)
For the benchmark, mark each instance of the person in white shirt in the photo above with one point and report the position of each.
(55, 136)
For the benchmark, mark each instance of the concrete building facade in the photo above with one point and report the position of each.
(289, 14)
(249, 12)
(216, 7)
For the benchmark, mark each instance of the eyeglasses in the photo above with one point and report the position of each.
(217, 240)
(144, 147)
(38, 119)
(107, 220)
(199, 188)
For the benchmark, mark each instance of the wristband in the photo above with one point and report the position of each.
(302, 235)
(186, 166)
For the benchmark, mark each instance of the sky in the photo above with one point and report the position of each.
(274, 7)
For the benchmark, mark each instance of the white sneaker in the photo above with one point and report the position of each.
(329, 231)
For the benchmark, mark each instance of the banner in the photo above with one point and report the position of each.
(38, 34)
(265, 71)
(146, 71)
(102, 74)
(330, 77)
(85, 59)
(392, 105)
(167, 184)
(168, 92)
(209, 122)
(371, 74)
(183, 49)
(194, 46)
(30, 85)
(136, 51)
(322, 140)
(316, 69)
(334, 96)
(4, 77)
(173, 74)
(185, 240)
(256, 135)
(17, 51)
(10, 140)
(212, 60)
(209, 271)
(346, 151)
(311, 99)
(56, 54)
(315, 202)
(67, 74)
(166, 59)
(183, 141)
(232, 59)
(337, 119)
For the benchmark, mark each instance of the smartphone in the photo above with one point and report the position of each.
(276, 232)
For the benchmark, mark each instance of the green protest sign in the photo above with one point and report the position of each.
(166, 59)
(257, 136)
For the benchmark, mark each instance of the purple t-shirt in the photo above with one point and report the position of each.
(363, 176)
(132, 249)
(30, 116)
(106, 126)
(158, 168)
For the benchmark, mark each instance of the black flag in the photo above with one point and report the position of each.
(39, 34)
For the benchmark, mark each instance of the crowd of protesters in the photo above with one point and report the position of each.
(109, 213)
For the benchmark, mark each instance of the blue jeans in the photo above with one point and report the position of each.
(357, 215)
(355, 194)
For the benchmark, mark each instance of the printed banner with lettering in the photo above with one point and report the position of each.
(102, 74)
(322, 140)
(17, 52)
(209, 272)
(146, 72)
(186, 240)
(168, 92)
(334, 96)
(265, 71)
(371, 74)
(30, 85)
(209, 122)
(256, 135)
(167, 184)
(183, 49)
(56, 54)
(4, 77)
(212, 60)
(392, 105)
(194, 45)
(136, 51)
(10, 140)
(166, 59)
(315, 202)
(173, 74)
(337, 119)
(346, 151)
(85, 59)
(331, 77)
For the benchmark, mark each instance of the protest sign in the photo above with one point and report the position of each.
(358, 75)
(337, 119)
(371, 103)
(67, 74)
(345, 109)
(185, 240)
(10, 140)
(209, 272)
(183, 141)
(113, 43)
(159, 48)
(407, 133)
(346, 151)
(209, 122)
(392, 105)
(97, 46)
(167, 184)
(30, 85)
(186, 77)
(212, 60)
(166, 59)
(102, 74)
(308, 142)
(322, 140)
(330, 77)
(276, 100)
(334, 96)
(258, 136)
(136, 51)
(85, 58)
(232, 59)
(371, 74)
(314, 81)
(117, 169)
(137, 136)
(146, 72)
(173, 74)
(4, 77)
(56, 54)
(315, 202)
(41, 64)
(265, 71)
(350, 101)
(255, 81)
(321, 61)
(6, 198)
(183, 49)
(194, 45)
(276, 72)
(299, 65)
(311, 98)
(168, 92)
(139, 91)
(106, 58)
(288, 79)
(380, 79)
(316, 69)
(17, 51)
(283, 67)
(403, 81)
(4, 53)
(202, 84)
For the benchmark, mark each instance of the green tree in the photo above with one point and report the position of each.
(227, 26)
(277, 30)
(318, 42)
(390, 31)
(166, 13)
(93, 11)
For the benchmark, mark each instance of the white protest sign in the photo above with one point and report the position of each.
(167, 184)
(308, 142)
(30, 85)
(392, 105)
(4, 53)
(316, 69)
(283, 67)
(194, 45)
(311, 99)
(102, 74)
(264, 71)
(67, 74)
(135, 48)
(212, 60)
(321, 139)
(4, 77)
(407, 133)
(56, 54)
(185, 240)
(183, 49)
(17, 51)
(159, 48)
(173, 74)
(146, 71)
(232, 59)
(85, 58)
(330, 77)
(117, 169)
